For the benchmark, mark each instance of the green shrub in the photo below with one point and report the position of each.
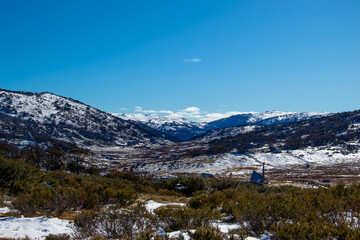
(316, 228)
(124, 224)
(286, 212)
(207, 233)
(54, 192)
(192, 184)
(223, 183)
(46, 200)
(17, 176)
(172, 218)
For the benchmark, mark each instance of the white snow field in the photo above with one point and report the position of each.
(35, 228)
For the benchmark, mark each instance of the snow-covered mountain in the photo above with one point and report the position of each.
(327, 147)
(340, 130)
(265, 118)
(183, 129)
(179, 128)
(46, 117)
(26, 117)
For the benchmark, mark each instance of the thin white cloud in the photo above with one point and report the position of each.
(193, 60)
(138, 109)
(192, 109)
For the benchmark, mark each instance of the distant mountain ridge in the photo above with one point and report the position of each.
(183, 129)
(46, 117)
(265, 118)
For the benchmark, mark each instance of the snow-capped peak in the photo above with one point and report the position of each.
(155, 119)
(176, 126)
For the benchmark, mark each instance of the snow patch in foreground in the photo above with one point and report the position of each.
(34, 228)
(4, 210)
(152, 205)
(226, 227)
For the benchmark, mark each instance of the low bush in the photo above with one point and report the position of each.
(46, 200)
(195, 183)
(121, 224)
(16, 176)
(172, 218)
(288, 212)
(190, 184)
(53, 192)
(206, 233)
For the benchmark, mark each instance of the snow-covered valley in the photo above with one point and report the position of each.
(234, 145)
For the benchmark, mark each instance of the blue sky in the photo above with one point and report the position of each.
(206, 57)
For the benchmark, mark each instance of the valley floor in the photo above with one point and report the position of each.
(325, 164)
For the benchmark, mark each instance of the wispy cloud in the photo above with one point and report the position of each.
(192, 109)
(193, 60)
(141, 110)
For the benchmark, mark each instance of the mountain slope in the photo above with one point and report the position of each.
(179, 128)
(265, 118)
(321, 148)
(38, 116)
(341, 129)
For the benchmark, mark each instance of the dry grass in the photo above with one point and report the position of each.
(164, 198)
(345, 172)
(11, 214)
(68, 215)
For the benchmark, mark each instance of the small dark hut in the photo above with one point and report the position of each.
(257, 178)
